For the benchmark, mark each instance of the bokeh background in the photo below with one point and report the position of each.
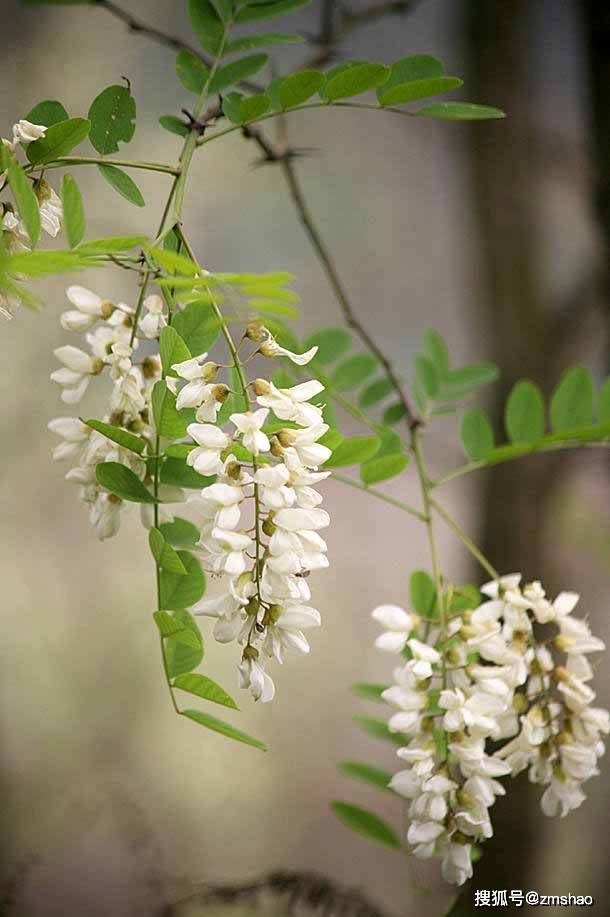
(498, 235)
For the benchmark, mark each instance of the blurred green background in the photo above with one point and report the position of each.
(498, 235)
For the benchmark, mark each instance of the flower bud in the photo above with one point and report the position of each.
(97, 366)
(261, 387)
(286, 437)
(250, 652)
(276, 448)
(269, 526)
(150, 367)
(220, 393)
(208, 371)
(107, 308)
(255, 331)
(520, 703)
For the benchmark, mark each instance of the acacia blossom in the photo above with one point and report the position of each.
(485, 676)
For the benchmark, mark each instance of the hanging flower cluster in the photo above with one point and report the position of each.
(267, 553)
(107, 328)
(490, 674)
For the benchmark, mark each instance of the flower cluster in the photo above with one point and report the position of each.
(489, 673)
(12, 230)
(268, 553)
(108, 331)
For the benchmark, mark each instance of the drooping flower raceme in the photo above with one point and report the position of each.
(489, 674)
(108, 349)
(260, 520)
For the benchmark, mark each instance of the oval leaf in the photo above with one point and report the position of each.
(357, 770)
(192, 72)
(73, 210)
(259, 11)
(225, 729)
(418, 89)
(58, 141)
(353, 451)
(298, 87)
(113, 119)
(422, 592)
(355, 78)
(383, 468)
(477, 434)
(204, 687)
(353, 371)
(182, 590)
(366, 823)
(117, 435)
(572, 400)
(123, 183)
(237, 70)
(122, 482)
(524, 414)
(460, 111)
(48, 113)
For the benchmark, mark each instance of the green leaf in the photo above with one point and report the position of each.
(111, 245)
(354, 78)
(353, 451)
(572, 400)
(391, 442)
(237, 71)
(459, 111)
(426, 375)
(252, 107)
(58, 141)
(376, 392)
(436, 350)
(122, 482)
(225, 729)
(51, 261)
(370, 691)
(182, 591)
(180, 533)
(249, 42)
(477, 434)
(174, 125)
(366, 823)
(204, 687)
(471, 376)
(198, 326)
(48, 113)
(298, 87)
(353, 371)
(414, 67)
(184, 651)
(524, 413)
(74, 213)
(192, 72)
(422, 592)
(175, 471)
(383, 468)
(332, 343)
(113, 119)
(375, 776)
(603, 405)
(165, 556)
(417, 89)
(394, 413)
(206, 24)
(378, 728)
(23, 192)
(272, 10)
(123, 183)
(118, 435)
(171, 627)
(168, 421)
(172, 349)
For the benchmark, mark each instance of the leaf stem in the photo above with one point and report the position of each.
(63, 162)
(387, 498)
(465, 539)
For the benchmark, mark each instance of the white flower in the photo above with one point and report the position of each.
(75, 375)
(154, 320)
(309, 451)
(273, 483)
(253, 676)
(89, 308)
(286, 633)
(198, 375)
(271, 348)
(291, 403)
(457, 863)
(424, 657)
(398, 624)
(495, 587)
(228, 612)
(561, 797)
(51, 210)
(26, 132)
(211, 441)
(249, 425)
(105, 516)
(74, 434)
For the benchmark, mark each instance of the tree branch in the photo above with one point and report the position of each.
(308, 890)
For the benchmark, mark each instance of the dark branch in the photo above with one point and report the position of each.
(307, 890)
